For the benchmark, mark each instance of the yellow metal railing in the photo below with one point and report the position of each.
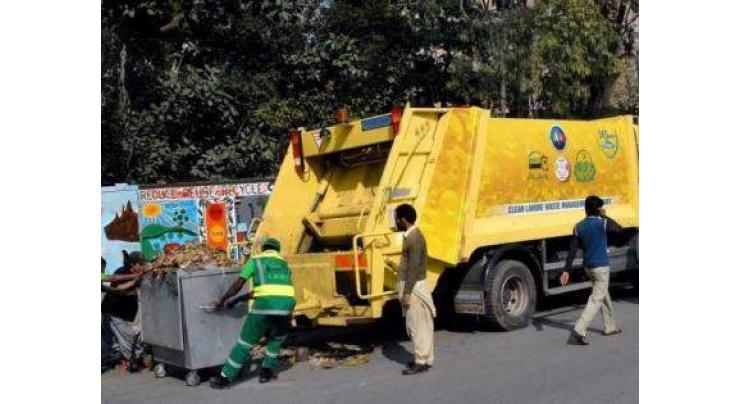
(356, 257)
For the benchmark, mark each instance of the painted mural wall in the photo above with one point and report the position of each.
(119, 230)
(219, 215)
(167, 223)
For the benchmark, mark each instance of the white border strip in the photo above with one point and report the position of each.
(530, 208)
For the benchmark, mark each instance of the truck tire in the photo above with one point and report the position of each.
(510, 295)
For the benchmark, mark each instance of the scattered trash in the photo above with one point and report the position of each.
(334, 355)
(148, 361)
(302, 354)
(339, 354)
(356, 360)
(286, 354)
(324, 362)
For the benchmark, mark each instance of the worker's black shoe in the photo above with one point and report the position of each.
(411, 364)
(220, 382)
(579, 339)
(416, 368)
(266, 374)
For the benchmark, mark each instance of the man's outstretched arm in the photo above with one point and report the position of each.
(614, 232)
(238, 284)
(575, 244)
(120, 278)
(234, 289)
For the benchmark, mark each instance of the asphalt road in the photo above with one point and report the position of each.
(537, 364)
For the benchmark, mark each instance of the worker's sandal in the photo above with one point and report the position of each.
(415, 368)
(220, 382)
(613, 332)
(266, 375)
(411, 364)
(580, 339)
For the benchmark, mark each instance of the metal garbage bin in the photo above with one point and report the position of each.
(180, 323)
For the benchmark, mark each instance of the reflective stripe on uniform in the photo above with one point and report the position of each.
(270, 354)
(271, 312)
(274, 290)
(233, 364)
(244, 343)
(271, 254)
(260, 272)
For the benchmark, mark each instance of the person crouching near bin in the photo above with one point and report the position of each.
(270, 314)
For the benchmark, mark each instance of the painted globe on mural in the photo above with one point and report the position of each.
(557, 136)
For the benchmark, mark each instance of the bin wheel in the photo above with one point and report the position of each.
(160, 370)
(192, 378)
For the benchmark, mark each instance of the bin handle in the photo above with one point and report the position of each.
(207, 308)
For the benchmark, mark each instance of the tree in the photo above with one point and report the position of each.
(209, 89)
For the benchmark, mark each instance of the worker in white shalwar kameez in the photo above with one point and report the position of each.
(416, 299)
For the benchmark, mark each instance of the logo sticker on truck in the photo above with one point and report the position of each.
(537, 163)
(557, 137)
(584, 169)
(562, 169)
(609, 143)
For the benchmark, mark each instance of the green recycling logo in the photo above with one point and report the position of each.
(609, 143)
(584, 169)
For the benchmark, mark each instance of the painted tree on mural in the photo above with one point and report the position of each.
(196, 90)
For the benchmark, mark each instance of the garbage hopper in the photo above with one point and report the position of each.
(181, 325)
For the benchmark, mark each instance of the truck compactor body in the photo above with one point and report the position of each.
(496, 198)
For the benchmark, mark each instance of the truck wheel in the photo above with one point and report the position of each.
(510, 295)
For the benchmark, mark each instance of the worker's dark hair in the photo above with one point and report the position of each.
(136, 257)
(593, 204)
(406, 211)
(103, 261)
(271, 244)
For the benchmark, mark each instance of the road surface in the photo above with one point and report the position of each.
(537, 364)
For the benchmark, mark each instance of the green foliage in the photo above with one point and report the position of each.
(208, 89)
(576, 51)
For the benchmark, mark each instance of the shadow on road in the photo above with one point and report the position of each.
(388, 333)
(574, 303)
(397, 353)
(540, 324)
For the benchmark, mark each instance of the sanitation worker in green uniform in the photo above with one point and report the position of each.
(274, 299)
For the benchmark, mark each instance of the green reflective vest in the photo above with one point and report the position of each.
(271, 284)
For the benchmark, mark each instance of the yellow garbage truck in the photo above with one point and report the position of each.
(496, 199)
